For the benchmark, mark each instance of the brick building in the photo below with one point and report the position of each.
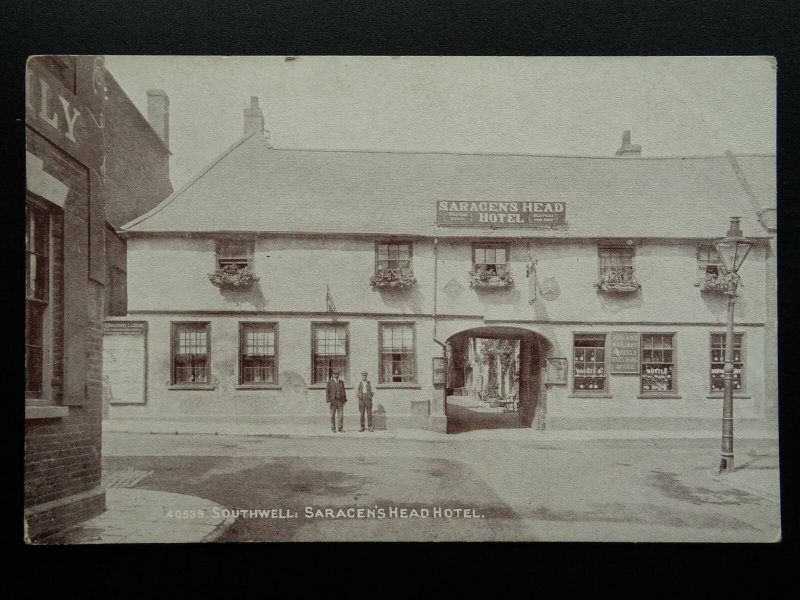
(601, 270)
(81, 167)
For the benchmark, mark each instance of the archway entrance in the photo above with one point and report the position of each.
(494, 379)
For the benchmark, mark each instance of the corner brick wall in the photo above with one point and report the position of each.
(62, 455)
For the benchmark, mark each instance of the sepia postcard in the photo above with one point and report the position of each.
(400, 298)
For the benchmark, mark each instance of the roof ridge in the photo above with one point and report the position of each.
(172, 197)
(451, 153)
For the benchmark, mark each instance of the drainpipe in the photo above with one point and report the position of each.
(436, 287)
(437, 418)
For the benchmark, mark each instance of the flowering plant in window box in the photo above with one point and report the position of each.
(484, 279)
(618, 279)
(393, 278)
(716, 282)
(232, 276)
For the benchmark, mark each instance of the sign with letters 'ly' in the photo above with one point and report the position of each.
(501, 214)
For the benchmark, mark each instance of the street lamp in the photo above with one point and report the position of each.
(732, 250)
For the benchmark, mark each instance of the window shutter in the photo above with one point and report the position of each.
(76, 274)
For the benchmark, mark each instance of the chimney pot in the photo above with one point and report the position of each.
(158, 113)
(253, 117)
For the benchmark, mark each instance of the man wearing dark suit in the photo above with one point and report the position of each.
(336, 397)
(365, 394)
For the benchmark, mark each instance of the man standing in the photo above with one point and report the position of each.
(336, 397)
(365, 400)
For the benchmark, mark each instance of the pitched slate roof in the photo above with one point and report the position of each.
(252, 187)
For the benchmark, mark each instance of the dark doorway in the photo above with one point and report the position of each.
(494, 379)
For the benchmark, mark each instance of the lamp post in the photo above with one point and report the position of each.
(732, 250)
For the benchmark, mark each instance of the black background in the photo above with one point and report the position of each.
(393, 27)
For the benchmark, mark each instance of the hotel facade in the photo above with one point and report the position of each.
(272, 267)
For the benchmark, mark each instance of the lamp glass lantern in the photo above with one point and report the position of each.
(733, 248)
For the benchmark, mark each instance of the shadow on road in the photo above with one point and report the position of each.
(462, 417)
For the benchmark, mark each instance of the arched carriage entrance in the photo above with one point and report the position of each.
(495, 379)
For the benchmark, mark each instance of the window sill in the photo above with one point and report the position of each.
(659, 396)
(192, 386)
(45, 412)
(398, 386)
(258, 386)
(735, 395)
(588, 395)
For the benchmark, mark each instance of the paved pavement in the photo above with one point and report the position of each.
(136, 516)
(615, 489)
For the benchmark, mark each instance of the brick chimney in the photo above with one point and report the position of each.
(253, 117)
(627, 148)
(158, 113)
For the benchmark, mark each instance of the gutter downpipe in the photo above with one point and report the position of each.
(435, 289)
(437, 418)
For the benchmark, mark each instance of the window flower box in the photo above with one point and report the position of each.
(484, 279)
(619, 280)
(233, 277)
(715, 283)
(402, 278)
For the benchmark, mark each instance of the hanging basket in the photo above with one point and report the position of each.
(482, 280)
(618, 281)
(715, 284)
(393, 279)
(233, 277)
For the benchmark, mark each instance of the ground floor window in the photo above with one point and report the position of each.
(191, 348)
(589, 363)
(37, 297)
(257, 353)
(658, 366)
(398, 355)
(329, 351)
(718, 362)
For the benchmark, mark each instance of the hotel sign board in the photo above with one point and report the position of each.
(501, 214)
(124, 361)
(624, 353)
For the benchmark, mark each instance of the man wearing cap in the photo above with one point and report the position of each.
(365, 400)
(336, 397)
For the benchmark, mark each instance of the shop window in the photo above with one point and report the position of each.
(398, 353)
(191, 349)
(718, 363)
(329, 351)
(589, 363)
(616, 273)
(235, 253)
(658, 362)
(257, 353)
(490, 258)
(37, 290)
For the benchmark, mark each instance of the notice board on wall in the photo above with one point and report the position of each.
(124, 361)
(624, 350)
